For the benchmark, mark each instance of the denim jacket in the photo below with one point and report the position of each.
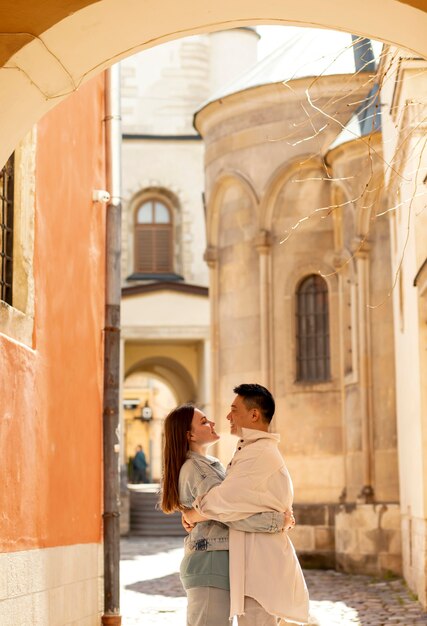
(197, 476)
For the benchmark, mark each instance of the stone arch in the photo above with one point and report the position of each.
(364, 217)
(224, 182)
(344, 219)
(367, 193)
(42, 64)
(278, 181)
(170, 371)
(313, 266)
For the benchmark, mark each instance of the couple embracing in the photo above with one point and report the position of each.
(238, 557)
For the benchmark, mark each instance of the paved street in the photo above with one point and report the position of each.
(152, 594)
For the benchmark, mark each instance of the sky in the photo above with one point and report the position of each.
(273, 36)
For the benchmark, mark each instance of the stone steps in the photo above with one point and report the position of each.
(146, 517)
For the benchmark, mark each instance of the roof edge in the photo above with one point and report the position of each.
(195, 290)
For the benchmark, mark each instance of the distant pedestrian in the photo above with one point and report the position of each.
(139, 466)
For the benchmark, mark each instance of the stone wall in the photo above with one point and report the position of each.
(414, 554)
(314, 535)
(368, 539)
(356, 538)
(61, 585)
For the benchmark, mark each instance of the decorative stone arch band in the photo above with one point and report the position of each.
(215, 197)
(278, 180)
(171, 202)
(172, 372)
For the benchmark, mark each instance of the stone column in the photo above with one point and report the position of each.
(211, 258)
(205, 376)
(365, 363)
(338, 262)
(263, 246)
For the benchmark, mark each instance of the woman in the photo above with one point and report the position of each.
(189, 472)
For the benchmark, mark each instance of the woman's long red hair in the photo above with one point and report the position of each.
(176, 445)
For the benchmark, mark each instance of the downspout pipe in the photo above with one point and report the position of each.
(111, 442)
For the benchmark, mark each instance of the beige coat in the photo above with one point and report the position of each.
(263, 566)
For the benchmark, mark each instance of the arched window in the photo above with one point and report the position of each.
(153, 243)
(312, 330)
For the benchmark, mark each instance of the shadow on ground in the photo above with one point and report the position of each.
(169, 586)
(134, 547)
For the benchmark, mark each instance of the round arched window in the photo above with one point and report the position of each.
(312, 330)
(153, 237)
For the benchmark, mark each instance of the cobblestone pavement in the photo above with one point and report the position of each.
(152, 594)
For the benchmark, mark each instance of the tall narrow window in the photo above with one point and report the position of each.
(312, 327)
(153, 238)
(6, 230)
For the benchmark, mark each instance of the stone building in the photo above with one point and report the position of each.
(404, 99)
(165, 308)
(299, 275)
(51, 368)
(52, 526)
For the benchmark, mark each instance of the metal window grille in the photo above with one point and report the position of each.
(6, 230)
(312, 327)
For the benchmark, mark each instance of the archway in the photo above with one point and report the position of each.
(28, 79)
(41, 63)
(147, 399)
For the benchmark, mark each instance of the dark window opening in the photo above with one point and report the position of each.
(153, 238)
(6, 230)
(312, 329)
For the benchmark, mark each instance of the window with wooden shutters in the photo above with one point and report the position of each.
(312, 330)
(6, 230)
(153, 238)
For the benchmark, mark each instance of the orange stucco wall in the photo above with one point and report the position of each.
(51, 396)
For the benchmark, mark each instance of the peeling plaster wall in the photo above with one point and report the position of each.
(51, 394)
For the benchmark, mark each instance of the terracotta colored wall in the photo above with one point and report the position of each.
(51, 397)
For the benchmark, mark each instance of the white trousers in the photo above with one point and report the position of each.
(255, 615)
(208, 606)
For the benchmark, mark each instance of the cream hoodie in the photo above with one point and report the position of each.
(262, 566)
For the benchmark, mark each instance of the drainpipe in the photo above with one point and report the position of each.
(111, 442)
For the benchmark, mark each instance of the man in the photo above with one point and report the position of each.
(266, 580)
(139, 465)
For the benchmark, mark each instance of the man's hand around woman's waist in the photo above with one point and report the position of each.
(190, 517)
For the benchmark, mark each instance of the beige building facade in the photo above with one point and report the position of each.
(404, 96)
(299, 275)
(165, 308)
(47, 52)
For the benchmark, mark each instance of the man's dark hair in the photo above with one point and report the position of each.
(257, 397)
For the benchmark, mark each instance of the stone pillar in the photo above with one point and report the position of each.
(365, 381)
(205, 376)
(339, 261)
(263, 246)
(211, 258)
